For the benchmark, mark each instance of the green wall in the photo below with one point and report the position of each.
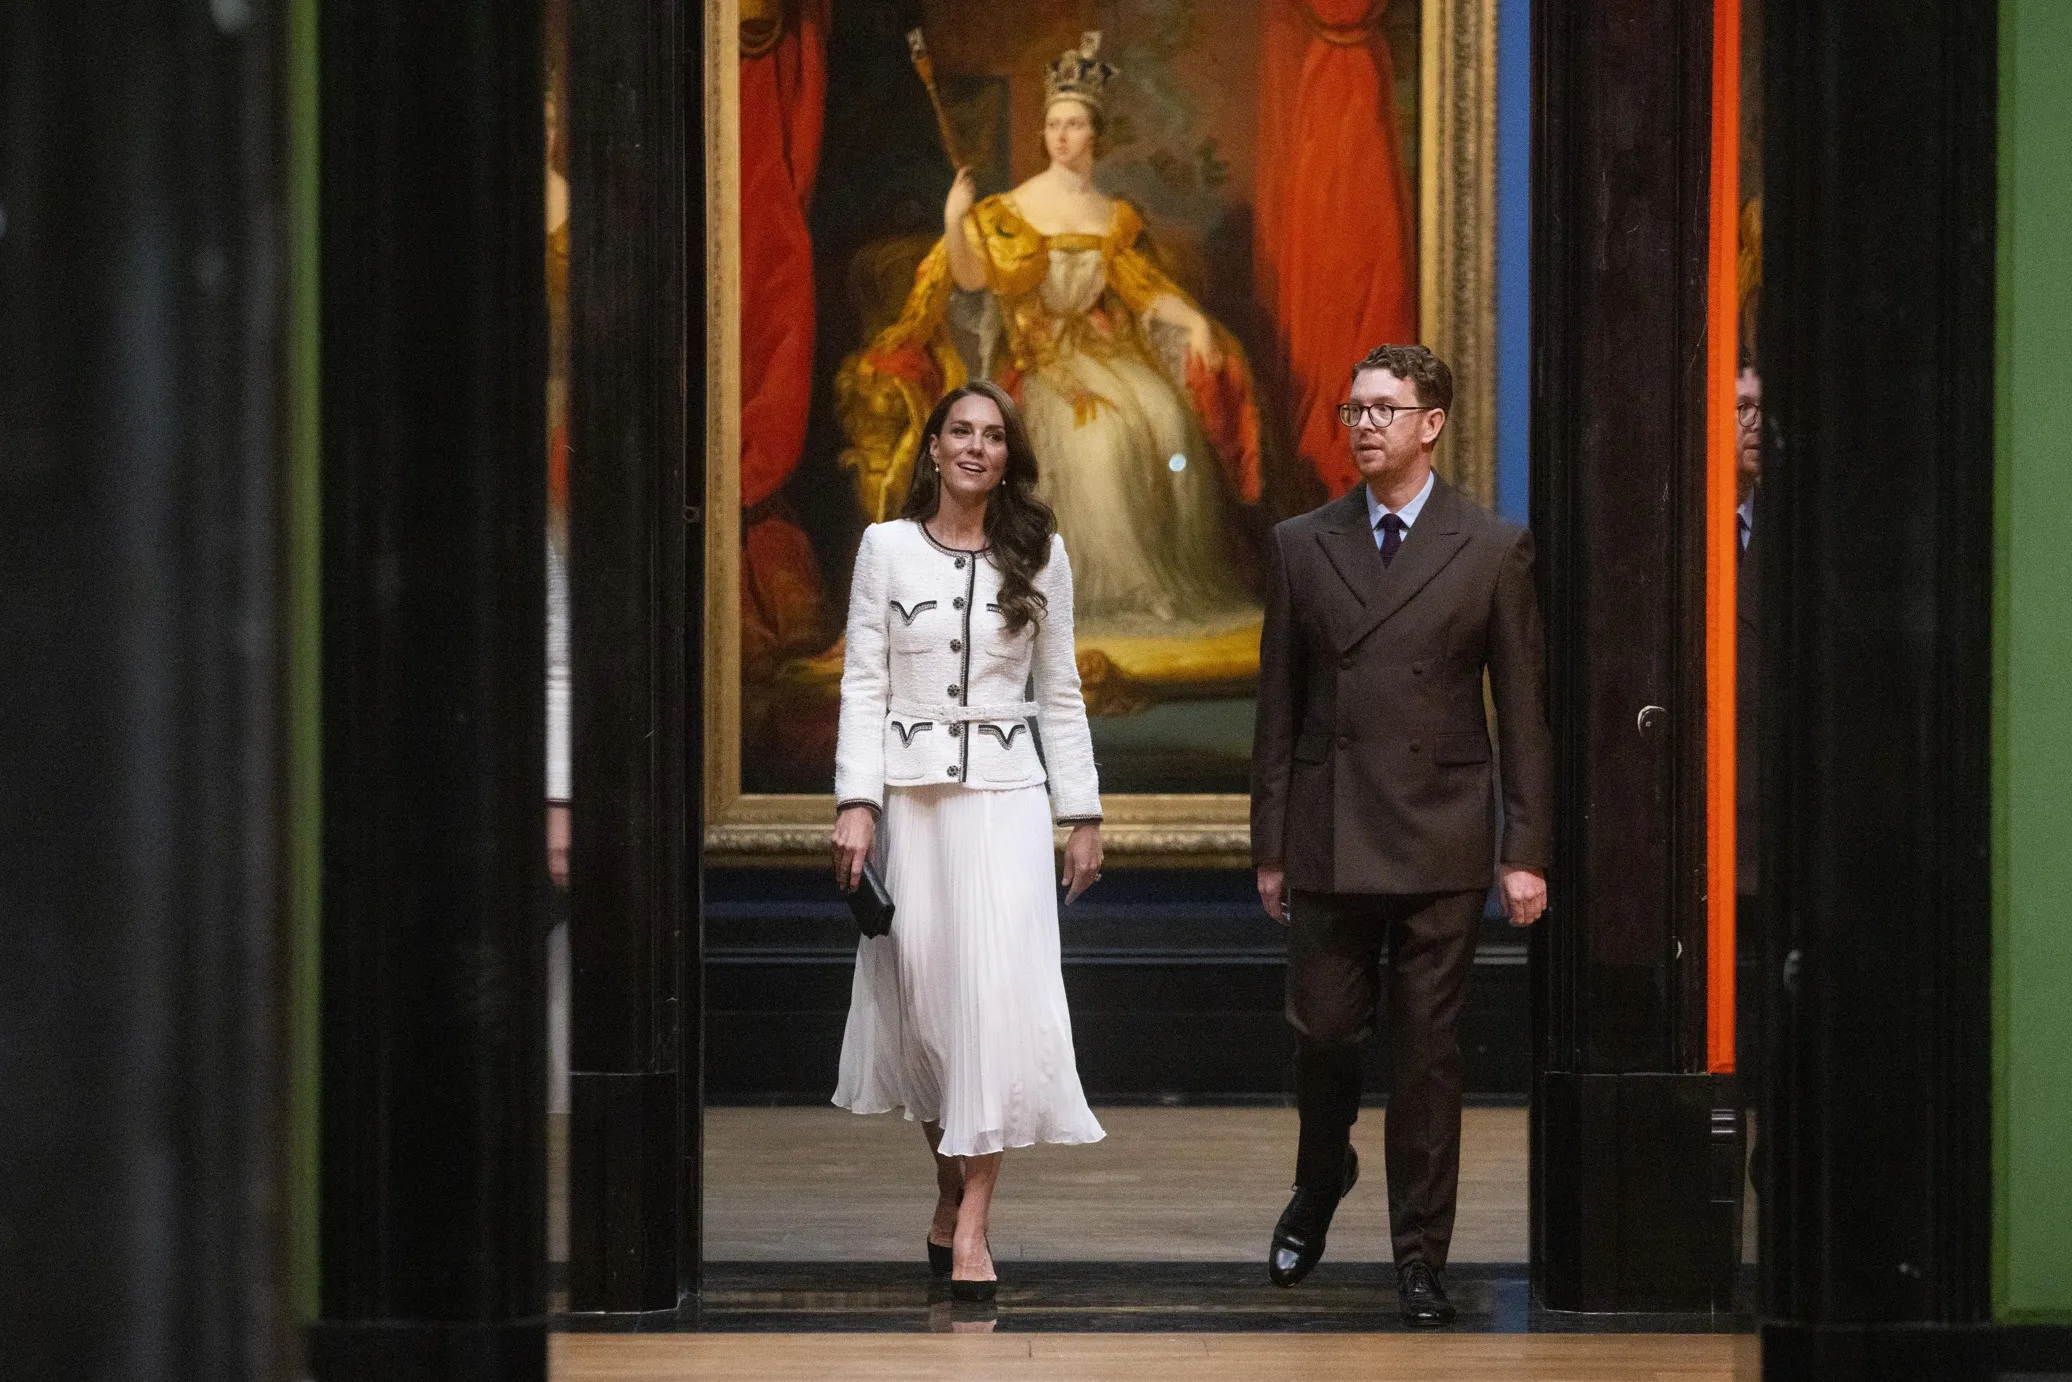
(2032, 959)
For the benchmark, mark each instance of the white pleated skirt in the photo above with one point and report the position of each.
(958, 1015)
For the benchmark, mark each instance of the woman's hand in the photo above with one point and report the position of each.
(855, 828)
(967, 267)
(963, 193)
(1201, 332)
(1082, 859)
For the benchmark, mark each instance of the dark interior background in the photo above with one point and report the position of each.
(1174, 978)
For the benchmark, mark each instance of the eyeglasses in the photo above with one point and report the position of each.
(1748, 414)
(1380, 414)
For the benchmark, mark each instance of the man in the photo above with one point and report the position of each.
(1372, 820)
(1748, 417)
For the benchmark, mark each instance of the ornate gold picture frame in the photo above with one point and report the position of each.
(1455, 206)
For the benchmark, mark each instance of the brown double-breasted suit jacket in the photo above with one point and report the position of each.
(1371, 761)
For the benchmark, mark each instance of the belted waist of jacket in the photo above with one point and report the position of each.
(935, 682)
(952, 713)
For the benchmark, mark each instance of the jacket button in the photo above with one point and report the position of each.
(1345, 741)
(1417, 669)
(953, 690)
(956, 730)
(956, 645)
(1417, 746)
(960, 563)
(1345, 663)
(957, 603)
(953, 770)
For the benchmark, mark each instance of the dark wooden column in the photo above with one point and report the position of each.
(142, 693)
(1877, 359)
(1634, 1170)
(636, 286)
(433, 1027)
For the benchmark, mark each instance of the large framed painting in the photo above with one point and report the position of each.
(1288, 183)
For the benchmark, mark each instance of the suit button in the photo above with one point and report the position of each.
(953, 770)
(1417, 746)
(960, 563)
(1417, 669)
(956, 730)
(956, 645)
(953, 690)
(1345, 741)
(957, 603)
(1345, 663)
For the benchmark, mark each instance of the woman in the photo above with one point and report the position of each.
(958, 1016)
(1131, 394)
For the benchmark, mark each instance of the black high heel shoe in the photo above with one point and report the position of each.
(973, 1291)
(976, 1291)
(941, 1260)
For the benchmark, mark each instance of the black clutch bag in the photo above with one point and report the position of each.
(870, 904)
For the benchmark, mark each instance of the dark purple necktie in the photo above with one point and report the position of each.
(1391, 537)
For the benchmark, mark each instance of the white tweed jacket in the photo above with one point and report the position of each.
(936, 690)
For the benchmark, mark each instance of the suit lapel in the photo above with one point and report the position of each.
(1434, 540)
(1747, 578)
(1349, 545)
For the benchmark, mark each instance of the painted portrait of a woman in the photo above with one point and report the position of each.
(1164, 228)
(1139, 405)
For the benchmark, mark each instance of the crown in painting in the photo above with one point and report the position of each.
(1078, 73)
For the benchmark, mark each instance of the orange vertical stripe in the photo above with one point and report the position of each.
(1722, 539)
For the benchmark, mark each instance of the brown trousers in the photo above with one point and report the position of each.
(1336, 942)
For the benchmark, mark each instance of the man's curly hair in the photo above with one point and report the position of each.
(1426, 372)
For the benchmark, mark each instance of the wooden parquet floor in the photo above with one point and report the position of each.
(1137, 1259)
(996, 1357)
(1168, 1185)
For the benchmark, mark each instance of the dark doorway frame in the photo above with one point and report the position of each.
(636, 89)
(433, 1006)
(636, 480)
(1636, 1170)
(636, 94)
(1843, 106)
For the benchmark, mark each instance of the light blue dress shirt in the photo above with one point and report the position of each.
(1408, 513)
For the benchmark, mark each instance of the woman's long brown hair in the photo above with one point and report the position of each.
(1019, 526)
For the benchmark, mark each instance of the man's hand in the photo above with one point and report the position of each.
(1525, 894)
(1273, 892)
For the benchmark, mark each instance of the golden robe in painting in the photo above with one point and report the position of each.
(1141, 447)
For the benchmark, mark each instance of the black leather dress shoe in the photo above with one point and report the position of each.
(1423, 1298)
(1298, 1239)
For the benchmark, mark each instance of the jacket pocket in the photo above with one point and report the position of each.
(1314, 746)
(906, 730)
(913, 625)
(1454, 749)
(909, 613)
(1004, 752)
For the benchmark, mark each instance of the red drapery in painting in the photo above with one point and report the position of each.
(1335, 247)
(783, 97)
